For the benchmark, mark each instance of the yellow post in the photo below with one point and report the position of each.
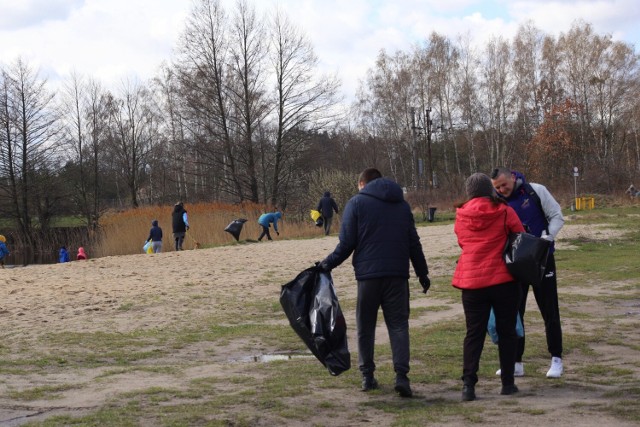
(585, 203)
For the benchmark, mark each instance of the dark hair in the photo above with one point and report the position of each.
(369, 175)
(494, 199)
(500, 170)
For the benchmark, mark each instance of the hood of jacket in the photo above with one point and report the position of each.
(482, 227)
(327, 194)
(384, 189)
(520, 180)
(478, 215)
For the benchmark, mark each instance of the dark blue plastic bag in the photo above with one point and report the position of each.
(313, 310)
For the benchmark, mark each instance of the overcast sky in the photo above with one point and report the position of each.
(113, 40)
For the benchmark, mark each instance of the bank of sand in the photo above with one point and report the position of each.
(90, 295)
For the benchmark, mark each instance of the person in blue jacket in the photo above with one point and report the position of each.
(265, 220)
(63, 255)
(3, 250)
(379, 229)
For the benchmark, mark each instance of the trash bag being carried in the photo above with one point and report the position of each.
(526, 257)
(312, 307)
(316, 216)
(147, 248)
(235, 227)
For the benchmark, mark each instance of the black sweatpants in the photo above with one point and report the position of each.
(265, 232)
(392, 294)
(546, 295)
(327, 220)
(477, 303)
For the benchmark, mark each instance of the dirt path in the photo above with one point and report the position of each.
(143, 292)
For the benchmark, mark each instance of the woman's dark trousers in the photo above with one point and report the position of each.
(477, 303)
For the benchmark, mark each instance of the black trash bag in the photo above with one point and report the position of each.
(526, 257)
(235, 227)
(312, 307)
(432, 214)
(319, 222)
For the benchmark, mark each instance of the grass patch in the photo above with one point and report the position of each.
(48, 392)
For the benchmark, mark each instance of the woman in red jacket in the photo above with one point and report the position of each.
(482, 225)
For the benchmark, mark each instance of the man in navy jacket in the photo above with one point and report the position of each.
(326, 206)
(378, 228)
(541, 214)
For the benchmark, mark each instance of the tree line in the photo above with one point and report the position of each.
(242, 114)
(539, 102)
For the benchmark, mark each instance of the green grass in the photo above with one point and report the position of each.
(42, 392)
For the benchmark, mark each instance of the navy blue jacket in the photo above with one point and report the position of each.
(537, 217)
(378, 228)
(327, 205)
(155, 234)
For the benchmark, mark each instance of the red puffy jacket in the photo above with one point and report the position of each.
(482, 228)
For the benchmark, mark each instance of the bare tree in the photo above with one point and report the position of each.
(467, 96)
(28, 138)
(85, 116)
(135, 127)
(203, 71)
(304, 101)
(385, 104)
(443, 58)
(247, 89)
(527, 72)
(497, 96)
(169, 162)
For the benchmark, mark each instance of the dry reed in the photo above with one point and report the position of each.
(124, 233)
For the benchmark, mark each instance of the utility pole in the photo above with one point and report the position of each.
(427, 124)
(416, 162)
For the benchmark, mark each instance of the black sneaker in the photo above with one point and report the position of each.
(369, 383)
(468, 393)
(402, 386)
(509, 389)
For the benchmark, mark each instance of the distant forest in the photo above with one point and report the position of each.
(241, 114)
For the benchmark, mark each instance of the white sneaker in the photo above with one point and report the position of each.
(518, 370)
(556, 369)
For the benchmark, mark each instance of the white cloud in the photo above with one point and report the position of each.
(31, 13)
(116, 39)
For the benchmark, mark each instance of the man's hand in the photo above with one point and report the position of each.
(426, 283)
(278, 233)
(187, 228)
(547, 237)
(322, 266)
